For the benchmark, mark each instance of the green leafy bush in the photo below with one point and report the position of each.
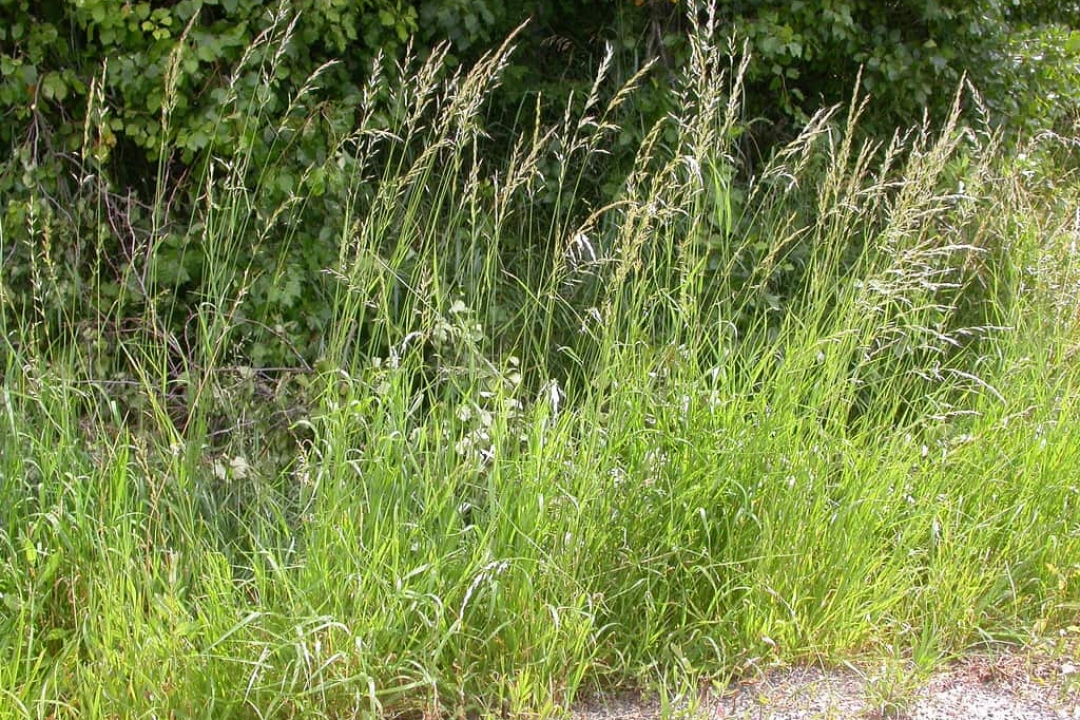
(118, 115)
(909, 54)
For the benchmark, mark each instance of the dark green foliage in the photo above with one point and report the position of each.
(110, 113)
(1044, 78)
(910, 54)
(1042, 12)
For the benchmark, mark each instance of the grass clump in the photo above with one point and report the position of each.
(548, 446)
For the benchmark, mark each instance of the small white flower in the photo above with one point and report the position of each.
(554, 395)
(581, 249)
(239, 466)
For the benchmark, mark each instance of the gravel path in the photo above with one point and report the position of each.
(1006, 687)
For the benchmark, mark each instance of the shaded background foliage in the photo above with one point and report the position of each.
(112, 110)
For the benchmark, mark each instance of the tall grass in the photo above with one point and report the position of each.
(722, 422)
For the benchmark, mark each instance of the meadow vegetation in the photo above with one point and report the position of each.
(746, 411)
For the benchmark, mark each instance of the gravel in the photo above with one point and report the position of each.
(979, 688)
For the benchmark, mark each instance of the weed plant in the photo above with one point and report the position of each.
(552, 448)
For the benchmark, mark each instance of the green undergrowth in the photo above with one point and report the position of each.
(723, 422)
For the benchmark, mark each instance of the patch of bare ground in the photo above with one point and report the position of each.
(1029, 685)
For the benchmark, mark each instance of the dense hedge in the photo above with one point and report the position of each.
(111, 110)
(808, 52)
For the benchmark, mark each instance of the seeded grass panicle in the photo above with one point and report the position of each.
(721, 422)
